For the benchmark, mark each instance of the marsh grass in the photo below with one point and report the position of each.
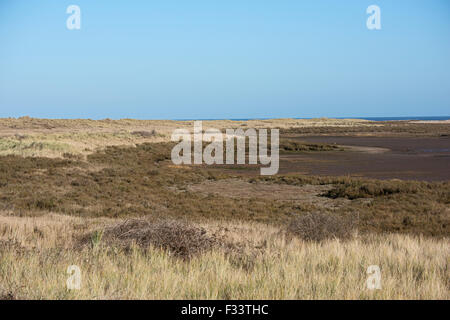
(140, 181)
(293, 146)
(96, 238)
(415, 207)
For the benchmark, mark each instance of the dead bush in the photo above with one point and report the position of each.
(320, 226)
(180, 239)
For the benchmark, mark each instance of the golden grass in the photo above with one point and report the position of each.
(83, 136)
(57, 145)
(35, 253)
(53, 138)
(88, 124)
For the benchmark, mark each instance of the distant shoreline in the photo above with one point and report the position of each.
(418, 118)
(442, 119)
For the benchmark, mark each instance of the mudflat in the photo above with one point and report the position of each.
(407, 158)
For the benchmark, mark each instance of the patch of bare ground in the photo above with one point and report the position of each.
(369, 150)
(236, 188)
(432, 121)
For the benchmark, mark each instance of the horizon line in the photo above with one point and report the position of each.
(246, 119)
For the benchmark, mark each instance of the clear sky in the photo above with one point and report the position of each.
(224, 59)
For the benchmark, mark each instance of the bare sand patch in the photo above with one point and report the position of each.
(235, 188)
(432, 121)
(370, 150)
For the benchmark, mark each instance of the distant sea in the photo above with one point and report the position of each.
(397, 118)
(363, 118)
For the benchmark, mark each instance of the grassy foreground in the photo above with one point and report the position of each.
(36, 252)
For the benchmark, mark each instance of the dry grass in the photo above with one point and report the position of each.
(32, 147)
(57, 145)
(33, 265)
(27, 136)
(28, 123)
(384, 128)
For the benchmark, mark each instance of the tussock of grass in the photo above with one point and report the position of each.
(29, 148)
(144, 133)
(319, 226)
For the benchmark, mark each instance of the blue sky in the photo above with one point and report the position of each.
(224, 59)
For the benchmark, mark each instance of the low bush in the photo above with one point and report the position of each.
(369, 189)
(320, 226)
(144, 134)
(291, 146)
